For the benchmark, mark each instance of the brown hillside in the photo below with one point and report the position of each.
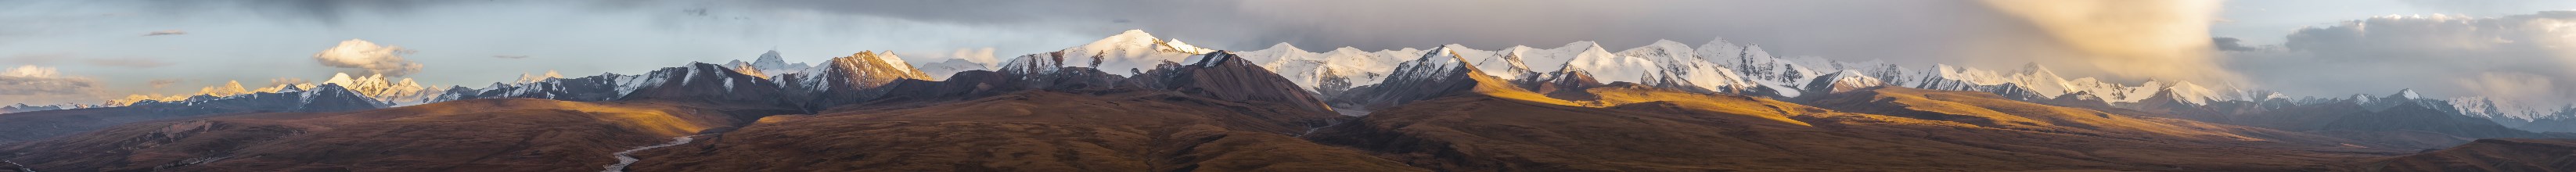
(2484, 155)
(1031, 131)
(1662, 130)
(470, 135)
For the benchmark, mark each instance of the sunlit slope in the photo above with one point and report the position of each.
(1626, 128)
(1031, 131)
(1990, 111)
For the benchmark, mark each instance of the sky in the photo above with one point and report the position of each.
(86, 51)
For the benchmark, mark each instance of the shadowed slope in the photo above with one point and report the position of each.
(29, 126)
(1987, 110)
(470, 135)
(2485, 155)
(1225, 76)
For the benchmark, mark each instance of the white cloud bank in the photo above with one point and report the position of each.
(360, 54)
(44, 85)
(2517, 58)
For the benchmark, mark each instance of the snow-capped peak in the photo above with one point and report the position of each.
(2192, 93)
(1665, 45)
(2406, 94)
(770, 63)
(338, 78)
(1842, 81)
(891, 59)
(1123, 54)
(402, 92)
(1435, 62)
(530, 78)
(1134, 42)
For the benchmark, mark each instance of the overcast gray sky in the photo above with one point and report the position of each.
(110, 48)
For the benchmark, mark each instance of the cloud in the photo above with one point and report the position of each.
(510, 56)
(36, 59)
(2516, 56)
(127, 62)
(287, 81)
(2166, 39)
(166, 32)
(44, 85)
(166, 82)
(2230, 44)
(2524, 88)
(363, 55)
(228, 89)
(44, 59)
(2485, 6)
(30, 71)
(977, 55)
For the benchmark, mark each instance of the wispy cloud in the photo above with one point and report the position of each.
(127, 62)
(35, 59)
(166, 32)
(166, 82)
(287, 80)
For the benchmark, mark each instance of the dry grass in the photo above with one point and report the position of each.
(1030, 131)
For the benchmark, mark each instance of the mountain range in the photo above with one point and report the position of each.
(1134, 102)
